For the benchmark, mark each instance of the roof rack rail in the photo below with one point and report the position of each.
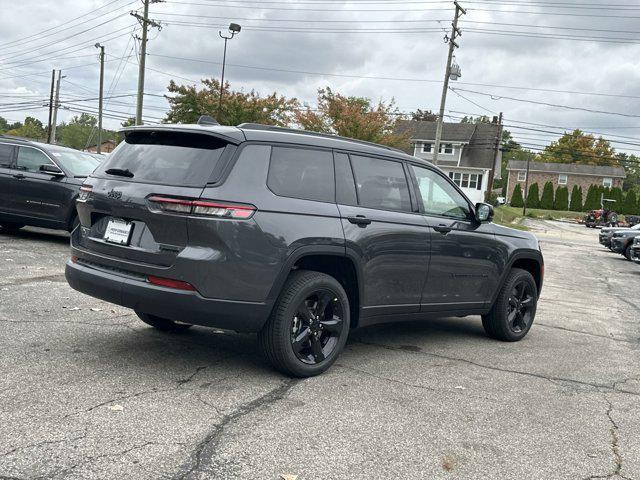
(260, 126)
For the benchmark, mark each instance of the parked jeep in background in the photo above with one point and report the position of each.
(605, 235)
(622, 240)
(297, 236)
(39, 183)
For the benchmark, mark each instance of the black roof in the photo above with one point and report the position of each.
(267, 133)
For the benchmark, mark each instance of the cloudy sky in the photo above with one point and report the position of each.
(526, 58)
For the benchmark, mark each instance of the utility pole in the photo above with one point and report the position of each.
(492, 172)
(99, 143)
(234, 29)
(526, 190)
(455, 33)
(145, 22)
(53, 83)
(56, 104)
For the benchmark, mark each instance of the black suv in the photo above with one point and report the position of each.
(295, 235)
(39, 183)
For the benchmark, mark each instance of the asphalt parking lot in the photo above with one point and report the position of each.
(89, 391)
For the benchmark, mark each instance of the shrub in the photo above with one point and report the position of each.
(576, 199)
(630, 204)
(516, 197)
(592, 201)
(533, 197)
(546, 201)
(562, 199)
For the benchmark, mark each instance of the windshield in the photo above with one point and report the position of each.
(80, 164)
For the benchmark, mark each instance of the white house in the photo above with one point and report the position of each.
(469, 152)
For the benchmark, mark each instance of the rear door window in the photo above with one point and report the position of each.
(30, 159)
(166, 158)
(303, 173)
(6, 155)
(381, 184)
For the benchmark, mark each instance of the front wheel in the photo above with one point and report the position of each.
(513, 312)
(163, 324)
(627, 252)
(309, 325)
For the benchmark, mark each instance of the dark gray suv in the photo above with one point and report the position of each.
(297, 236)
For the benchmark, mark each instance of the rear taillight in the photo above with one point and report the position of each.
(169, 283)
(85, 191)
(208, 208)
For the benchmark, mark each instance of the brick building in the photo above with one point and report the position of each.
(562, 174)
(105, 147)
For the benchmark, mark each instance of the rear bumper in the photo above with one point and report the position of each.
(184, 306)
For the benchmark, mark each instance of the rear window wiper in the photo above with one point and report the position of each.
(121, 172)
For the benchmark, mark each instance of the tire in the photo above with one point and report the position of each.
(627, 252)
(162, 324)
(11, 226)
(501, 322)
(297, 321)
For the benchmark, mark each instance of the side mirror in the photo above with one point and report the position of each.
(484, 212)
(51, 170)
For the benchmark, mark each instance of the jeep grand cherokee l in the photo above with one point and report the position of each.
(39, 183)
(297, 236)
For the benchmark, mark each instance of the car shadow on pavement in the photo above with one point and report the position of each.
(37, 234)
(147, 351)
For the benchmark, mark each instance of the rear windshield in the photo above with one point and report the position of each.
(167, 158)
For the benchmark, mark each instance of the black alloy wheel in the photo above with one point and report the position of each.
(520, 307)
(317, 326)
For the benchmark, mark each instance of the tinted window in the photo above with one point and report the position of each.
(168, 158)
(30, 159)
(345, 185)
(439, 197)
(381, 183)
(6, 155)
(80, 164)
(302, 173)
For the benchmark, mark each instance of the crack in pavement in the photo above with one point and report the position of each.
(42, 443)
(208, 445)
(613, 339)
(615, 448)
(549, 378)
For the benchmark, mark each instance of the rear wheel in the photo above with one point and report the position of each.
(309, 325)
(11, 226)
(163, 324)
(513, 312)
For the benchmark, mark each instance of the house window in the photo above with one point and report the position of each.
(426, 148)
(522, 176)
(446, 148)
(607, 182)
(562, 179)
(467, 180)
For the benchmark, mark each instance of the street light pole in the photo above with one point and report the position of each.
(234, 29)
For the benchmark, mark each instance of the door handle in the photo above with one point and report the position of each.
(443, 229)
(359, 220)
(19, 176)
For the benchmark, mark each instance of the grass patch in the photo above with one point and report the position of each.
(508, 217)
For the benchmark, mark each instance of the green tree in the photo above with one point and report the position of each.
(616, 194)
(592, 202)
(76, 133)
(354, 117)
(187, 103)
(546, 201)
(424, 115)
(533, 196)
(511, 150)
(516, 197)
(576, 199)
(31, 128)
(578, 147)
(630, 205)
(129, 122)
(561, 201)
